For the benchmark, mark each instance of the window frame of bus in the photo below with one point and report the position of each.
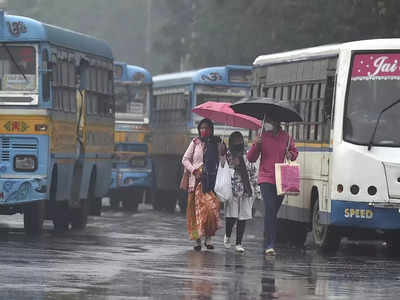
(64, 85)
(164, 110)
(302, 92)
(34, 91)
(47, 75)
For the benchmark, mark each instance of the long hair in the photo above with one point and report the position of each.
(244, 175)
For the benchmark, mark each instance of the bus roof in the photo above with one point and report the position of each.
(297, 55)
(134, 73)
(22, 29)
(213, 76)
(326, 51)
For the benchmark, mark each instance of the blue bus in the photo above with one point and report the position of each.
(174, 124)
(132, 175)
(56, 124)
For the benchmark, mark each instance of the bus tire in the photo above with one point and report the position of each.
(114, 201)
(79, 216)
(325, 237)
(33, 217)
(130, 205)
(61, 216)
(170, 201)
(157, 204)
(96, 206)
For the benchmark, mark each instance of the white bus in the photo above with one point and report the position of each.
(348, 96)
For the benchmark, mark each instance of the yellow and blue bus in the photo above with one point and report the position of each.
(174, 124)
(56, 123)
(132, 174)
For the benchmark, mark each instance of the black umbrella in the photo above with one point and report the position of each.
(261, 108)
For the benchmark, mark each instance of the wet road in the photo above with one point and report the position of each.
(147, 256)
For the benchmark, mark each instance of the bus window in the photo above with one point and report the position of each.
(17, 68)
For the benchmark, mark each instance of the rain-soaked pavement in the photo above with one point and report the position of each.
(148, 256)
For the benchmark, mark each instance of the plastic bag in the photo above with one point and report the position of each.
(287, 177)
(223, 183)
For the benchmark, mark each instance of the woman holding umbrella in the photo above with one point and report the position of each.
(272, 145)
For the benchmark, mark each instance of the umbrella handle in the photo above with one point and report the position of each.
(262, 127)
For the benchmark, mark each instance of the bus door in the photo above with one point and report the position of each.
(327, 122)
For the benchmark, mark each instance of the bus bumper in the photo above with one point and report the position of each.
(362, 215)
(19, 191)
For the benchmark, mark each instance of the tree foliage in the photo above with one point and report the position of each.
(188, 34)
(237, 31)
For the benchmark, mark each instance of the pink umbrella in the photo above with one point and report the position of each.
(221, 112)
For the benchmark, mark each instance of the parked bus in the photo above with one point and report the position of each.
(132, 167)
(174, 124)
(347, 95)
(56, 123)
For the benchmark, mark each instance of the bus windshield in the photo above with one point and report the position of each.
(374, 84)
(17, 68)
(131, 101)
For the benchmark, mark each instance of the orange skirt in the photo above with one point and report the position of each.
(202, 213)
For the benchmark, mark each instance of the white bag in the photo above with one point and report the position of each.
(223, 183)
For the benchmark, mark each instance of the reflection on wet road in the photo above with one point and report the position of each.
(147, 256)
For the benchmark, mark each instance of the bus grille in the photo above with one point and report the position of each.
(24, 146)
(8, 144)
(5, 146)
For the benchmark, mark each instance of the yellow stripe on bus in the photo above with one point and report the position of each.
(17, 124)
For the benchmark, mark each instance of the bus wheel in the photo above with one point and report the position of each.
(325, 237)
(61, 216)
(114, 202)
(130, 205)
(95, 206)
(157, 204)
(33, 217)
(170, 201)
(79, 215)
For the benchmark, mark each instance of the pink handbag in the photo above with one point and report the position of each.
(287, 177)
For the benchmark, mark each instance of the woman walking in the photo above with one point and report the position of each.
(272, 145)
(201, 160)
(239, 208)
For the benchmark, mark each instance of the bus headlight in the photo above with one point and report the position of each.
(25, 163)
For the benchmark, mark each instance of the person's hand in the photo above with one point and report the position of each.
(289, 156)
(258, 140)
(196, 173)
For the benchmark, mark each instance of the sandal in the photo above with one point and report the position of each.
(197, 248)
(209, 246)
